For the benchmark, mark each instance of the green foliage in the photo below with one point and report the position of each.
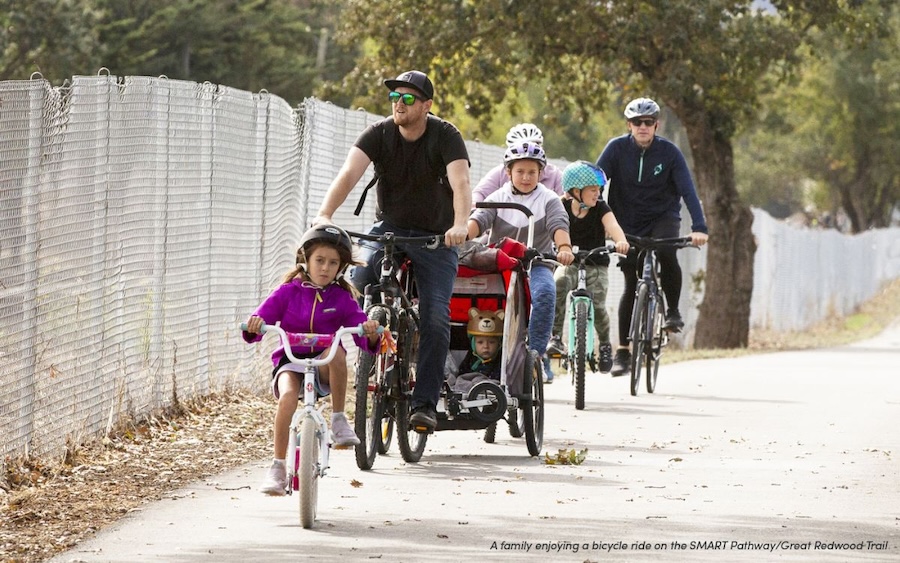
(829, 138)
(566, 457)
(54, 37)
(248, 45)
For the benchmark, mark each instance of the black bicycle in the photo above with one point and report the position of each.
(385, 380)
(647, 334)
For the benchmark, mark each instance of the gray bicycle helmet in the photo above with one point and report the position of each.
(525, 151)
(640, 107)
(524, 132)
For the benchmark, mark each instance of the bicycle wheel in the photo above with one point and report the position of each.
(370, 411)
(639, 336)
(308, 472)
(516, 423)
(410, 442)
(533, 408)
(490, 433)
(654, 349)
(387, 433)
(580, 357)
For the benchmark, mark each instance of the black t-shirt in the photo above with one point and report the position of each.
(588, 232)
(411, 192)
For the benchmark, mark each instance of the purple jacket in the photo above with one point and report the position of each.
(302, 307)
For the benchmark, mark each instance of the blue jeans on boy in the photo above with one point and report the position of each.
(543, 305)
(435, 272)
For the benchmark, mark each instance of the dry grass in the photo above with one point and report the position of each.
(871, 318)
(48, 508)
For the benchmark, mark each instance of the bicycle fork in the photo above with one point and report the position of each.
(294, 460)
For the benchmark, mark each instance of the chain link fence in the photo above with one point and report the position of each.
(142, 219)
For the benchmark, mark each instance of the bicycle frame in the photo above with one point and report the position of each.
(580, 320)
(389, 301)
(580, 294)
(331, 342)
(647, 336)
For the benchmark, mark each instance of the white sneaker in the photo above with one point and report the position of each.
(341, 432)
(276, 481)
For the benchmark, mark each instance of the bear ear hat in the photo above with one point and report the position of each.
(473, 312)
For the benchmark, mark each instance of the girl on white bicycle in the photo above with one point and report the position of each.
(591, 221)
(313, 298)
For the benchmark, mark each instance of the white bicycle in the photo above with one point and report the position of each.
(309, 438)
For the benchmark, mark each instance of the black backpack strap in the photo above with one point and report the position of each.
(387, 151)
(362, 198)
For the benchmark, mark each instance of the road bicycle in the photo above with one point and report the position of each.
(385, 381)
(647, 333)
(580, 322)
(309, 441)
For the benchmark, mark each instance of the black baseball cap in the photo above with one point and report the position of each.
(413, 79)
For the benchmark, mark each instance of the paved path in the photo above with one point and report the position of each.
(790, 456)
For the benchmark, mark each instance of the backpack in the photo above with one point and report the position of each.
(432, 153)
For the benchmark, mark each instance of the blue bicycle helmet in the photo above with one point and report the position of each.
(582, 174)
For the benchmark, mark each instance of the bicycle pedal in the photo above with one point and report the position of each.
(421, 429)
(339, 447)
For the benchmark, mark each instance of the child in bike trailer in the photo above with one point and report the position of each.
(482, 361)
(524, 162)
(590, 222)
(313, 298)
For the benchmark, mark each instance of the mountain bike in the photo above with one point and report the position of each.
(385, 380)
(580, 323)
(309, 440)
(647, 333)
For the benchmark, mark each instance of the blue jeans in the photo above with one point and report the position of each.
(543, 305)
(434, 272)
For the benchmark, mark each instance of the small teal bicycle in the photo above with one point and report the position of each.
(580, 323)
(309, 441)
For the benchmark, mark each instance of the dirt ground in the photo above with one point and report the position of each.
(48, 508)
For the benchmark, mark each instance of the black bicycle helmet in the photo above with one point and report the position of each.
(331, 234)
(640, 107)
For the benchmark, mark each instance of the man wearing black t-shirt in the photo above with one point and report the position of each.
(419, 194)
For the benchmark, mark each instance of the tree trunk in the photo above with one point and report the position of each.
(724, 320)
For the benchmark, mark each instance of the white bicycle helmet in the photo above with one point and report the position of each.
(641, 107)
(525, 151)
(524, 132)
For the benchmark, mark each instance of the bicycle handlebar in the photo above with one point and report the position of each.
(647, 243)
(582, 255)
(330, 341)
(504, 205)
(430, 242)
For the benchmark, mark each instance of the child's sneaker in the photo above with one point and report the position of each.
(548, 372)
(341, 432)
(556, 347)
(606, 357)
(276, 480)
